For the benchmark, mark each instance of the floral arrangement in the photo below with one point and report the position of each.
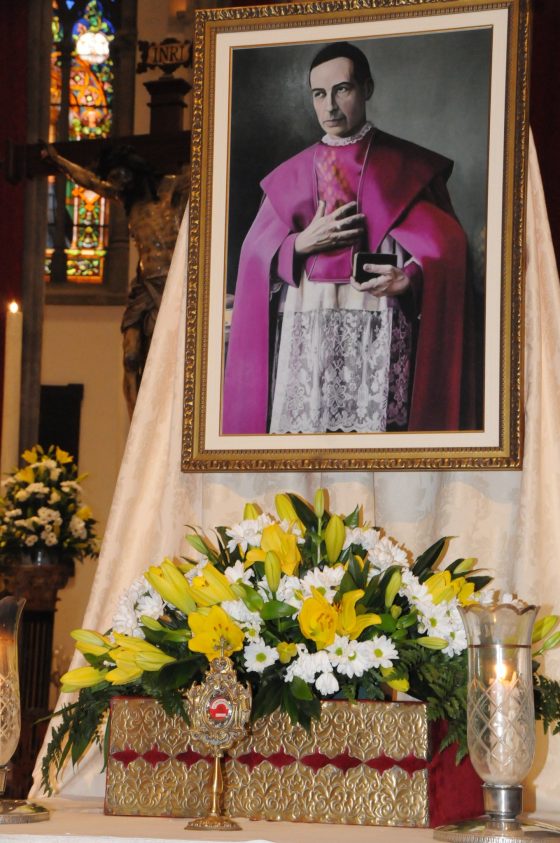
(308, 605)
(41, 507)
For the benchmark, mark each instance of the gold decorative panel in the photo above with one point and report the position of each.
(365, 763)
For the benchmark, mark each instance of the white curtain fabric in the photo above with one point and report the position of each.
(508, 519)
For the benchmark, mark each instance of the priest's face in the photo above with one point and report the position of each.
(339, 100)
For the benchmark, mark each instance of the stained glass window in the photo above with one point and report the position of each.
(83, 89)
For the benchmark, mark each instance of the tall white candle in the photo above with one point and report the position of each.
(9, 457)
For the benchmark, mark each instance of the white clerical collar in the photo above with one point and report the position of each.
(331, 140)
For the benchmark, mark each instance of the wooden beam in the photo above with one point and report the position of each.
(167, 153)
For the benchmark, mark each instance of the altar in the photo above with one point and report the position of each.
(83, 821)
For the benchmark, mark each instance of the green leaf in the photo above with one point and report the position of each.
(428, 560)
(277, 609)
(479, 582)
(550, 643)
(353, 520)
(178, 674)
(300, 689)
(306, 513)
(268, 697)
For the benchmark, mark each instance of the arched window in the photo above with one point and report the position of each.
(83, 83)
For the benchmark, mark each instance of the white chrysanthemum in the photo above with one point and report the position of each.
(31, 540)
(259, 656)
(350, 658)
(150, 604)
(55, 473)
(70, 486)
(387, 553)
(413, 590)
(248, 533)
(32, 489)
(78, 528)
(237, 572)
(48, 463)
(306, 665)
(326, 581)
(384, 651)
(327, 684)
(12, 513)
(51, 539)
(290, 590)
(433, 618)
(366, 537)
(125, 620)
(45, 515)
(238, 611)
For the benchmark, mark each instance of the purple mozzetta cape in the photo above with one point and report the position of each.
(398, 177)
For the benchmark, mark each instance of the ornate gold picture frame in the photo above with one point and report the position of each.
(303, 156)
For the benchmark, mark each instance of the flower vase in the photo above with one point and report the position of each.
(41, 556)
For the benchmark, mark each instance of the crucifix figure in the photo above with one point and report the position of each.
(154, 207)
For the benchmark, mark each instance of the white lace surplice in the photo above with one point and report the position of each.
(333, 360)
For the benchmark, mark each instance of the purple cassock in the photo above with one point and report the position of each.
(402, 193)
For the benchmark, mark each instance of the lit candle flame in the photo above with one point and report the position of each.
(13, 307)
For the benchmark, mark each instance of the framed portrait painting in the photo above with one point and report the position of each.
(356, 236)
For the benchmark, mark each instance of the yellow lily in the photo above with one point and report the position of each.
(170, 583)
(90, 642)
(82, 677)
(397, 684)
(443, 588)
(30, 455)
(286, 651)
(349, 622)
(26, 474)
(432, 642)
(250, 512)
(318, 619)
(84, 513)
(335, 533)
(286, 511)
(209, 587)
(140, 652)
(319, 503)
(214, 631)
(63, 456)
(283, 544)
(126, 670)
(272, 571)
(392, 588)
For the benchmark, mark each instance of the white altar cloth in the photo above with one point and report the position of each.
(83, 821)
(507, 519)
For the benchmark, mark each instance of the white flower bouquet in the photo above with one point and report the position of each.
(41, 508)
(308, 605)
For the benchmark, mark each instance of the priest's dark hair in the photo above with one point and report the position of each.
(345, 50)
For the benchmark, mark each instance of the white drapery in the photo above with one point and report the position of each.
(509, 520)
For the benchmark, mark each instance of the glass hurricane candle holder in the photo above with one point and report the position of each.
(500, 720)
(11, 810)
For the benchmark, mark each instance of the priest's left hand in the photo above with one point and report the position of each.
(390, 280)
